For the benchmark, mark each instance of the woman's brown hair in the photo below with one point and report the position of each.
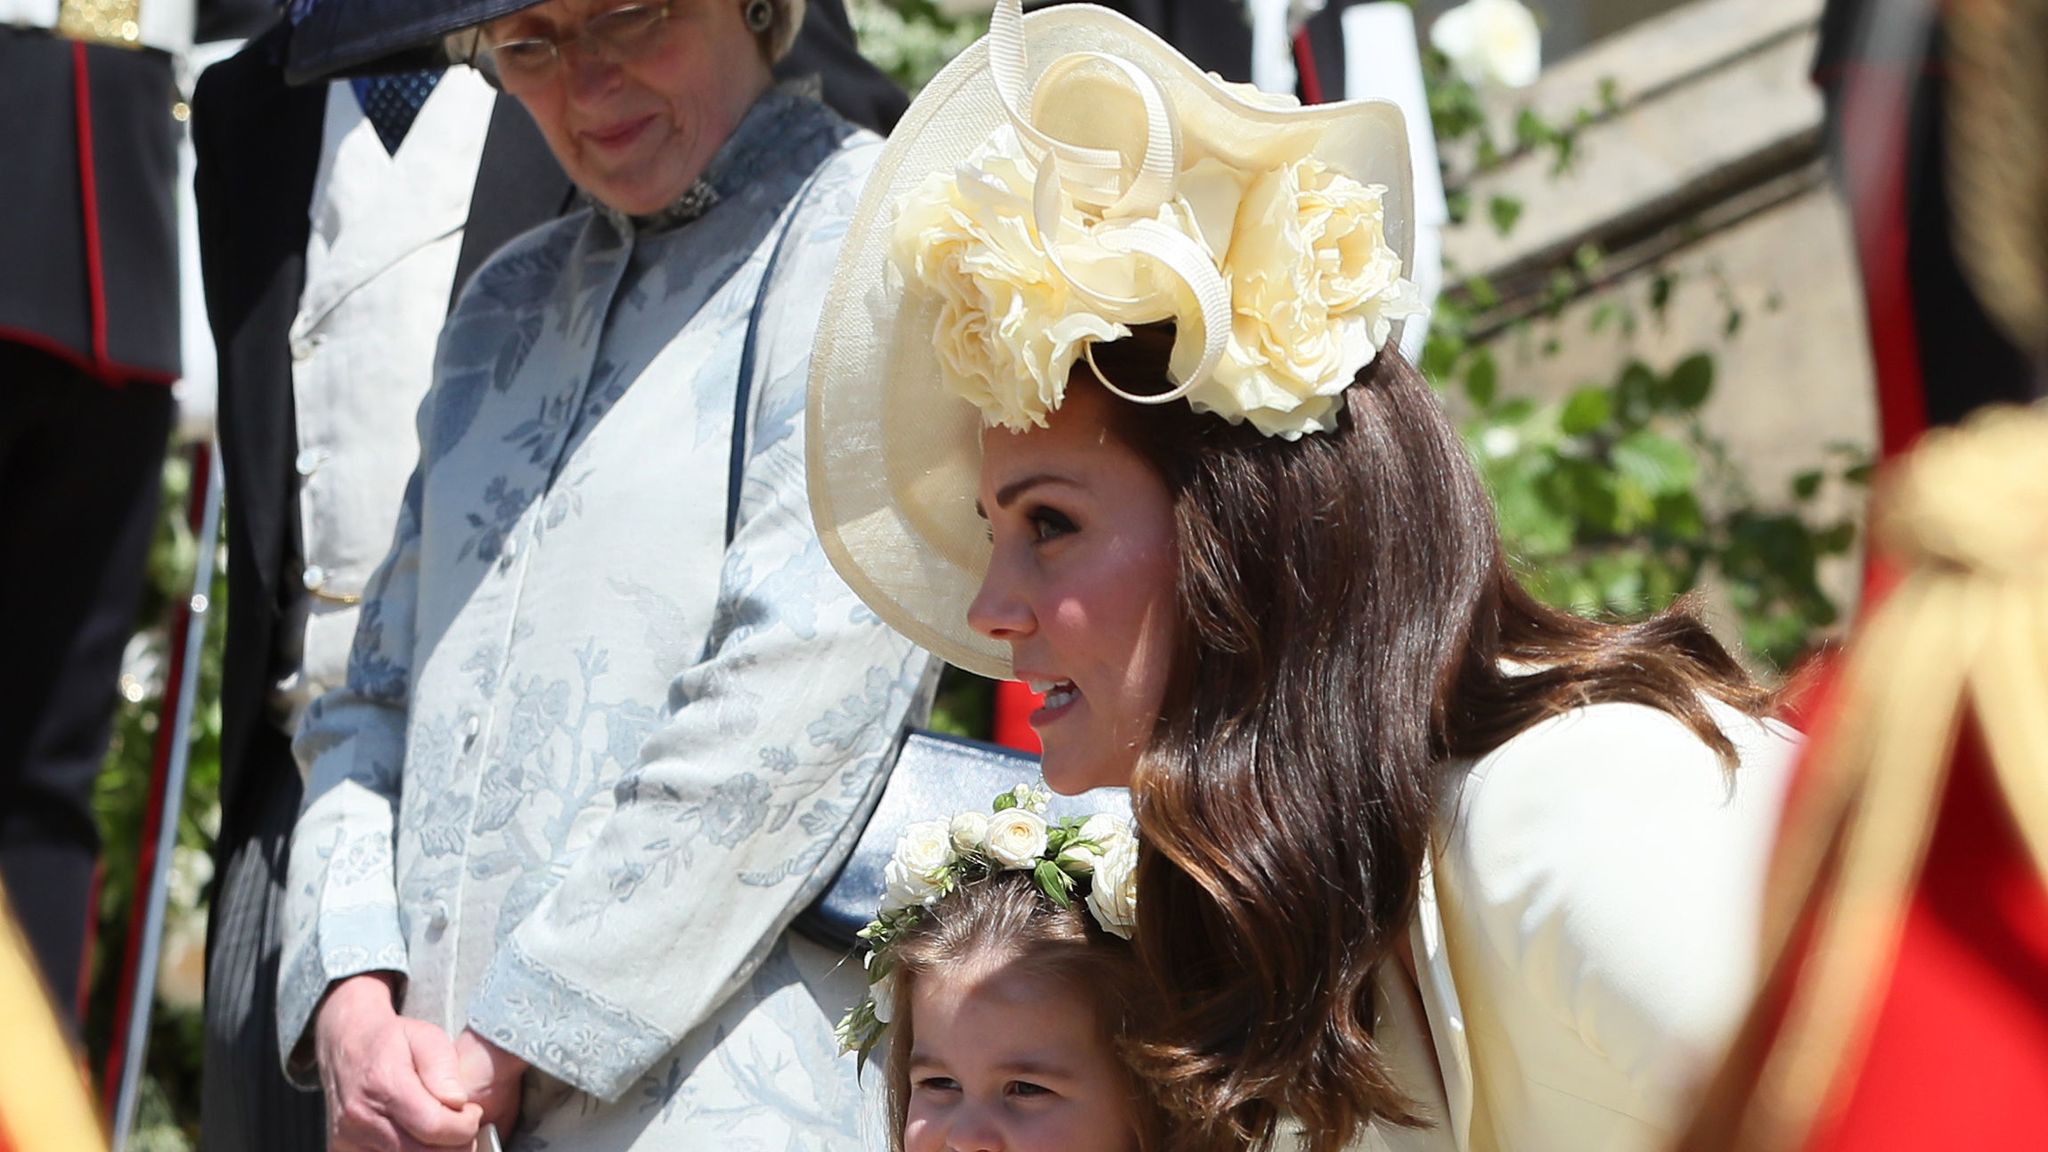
(1005, 919)
(1351, 627)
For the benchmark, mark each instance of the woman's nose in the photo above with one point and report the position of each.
(999, 610)
(588, 73)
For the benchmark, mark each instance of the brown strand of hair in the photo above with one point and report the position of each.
(1352, 630)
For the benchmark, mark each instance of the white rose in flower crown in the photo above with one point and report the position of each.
(1016, 838)
(1009, 327)
(1113, 895)
(1491, 42)
(969, 831)
(1031, 799)
(915, 872)
(1100, 832)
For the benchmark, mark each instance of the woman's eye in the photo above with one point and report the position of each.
(1049, 523)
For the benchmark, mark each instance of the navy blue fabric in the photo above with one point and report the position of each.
(392, 102)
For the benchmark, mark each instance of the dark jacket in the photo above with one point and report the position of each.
(88, 235)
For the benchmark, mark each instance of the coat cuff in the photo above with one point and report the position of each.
(565, 1031)
(366, 940)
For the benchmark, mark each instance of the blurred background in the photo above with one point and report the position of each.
(1650, 329)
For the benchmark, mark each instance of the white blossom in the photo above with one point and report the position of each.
(1016, 838)
(1491, 43)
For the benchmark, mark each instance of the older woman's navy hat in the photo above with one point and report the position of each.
(333, 38)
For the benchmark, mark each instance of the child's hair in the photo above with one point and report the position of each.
(1005, 919)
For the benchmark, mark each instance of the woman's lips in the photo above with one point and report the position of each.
(1060, 697)
(618, 136)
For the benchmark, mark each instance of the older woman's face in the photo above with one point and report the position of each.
(636, 132)
(1080, 584)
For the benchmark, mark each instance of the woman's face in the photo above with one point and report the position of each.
(1010, 1061)
(636, 132)
(1081, 586)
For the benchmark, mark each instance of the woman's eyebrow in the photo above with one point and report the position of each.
(1008, 493)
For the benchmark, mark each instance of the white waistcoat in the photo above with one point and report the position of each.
(380, 259)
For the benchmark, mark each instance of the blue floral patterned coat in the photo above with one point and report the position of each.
(591, 760)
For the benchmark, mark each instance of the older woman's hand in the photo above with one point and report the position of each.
(393, 1084)
(491, 1078)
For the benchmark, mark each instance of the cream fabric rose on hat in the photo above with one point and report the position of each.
(1314, 292)
(1010, 326)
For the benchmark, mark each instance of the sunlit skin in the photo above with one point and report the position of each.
(1008, 1062)
(1080, 585)
(637, 133)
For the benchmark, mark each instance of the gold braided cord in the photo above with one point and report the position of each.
(1965, 633)
(1998, 159)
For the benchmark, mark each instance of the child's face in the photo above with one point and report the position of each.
(1005, 1062)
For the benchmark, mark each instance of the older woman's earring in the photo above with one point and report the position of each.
(759, 15)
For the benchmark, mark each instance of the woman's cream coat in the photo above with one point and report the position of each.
(1587, 935)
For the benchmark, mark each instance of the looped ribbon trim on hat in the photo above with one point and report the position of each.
(1096, 176)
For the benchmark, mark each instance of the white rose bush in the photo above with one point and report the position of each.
(1093, 860)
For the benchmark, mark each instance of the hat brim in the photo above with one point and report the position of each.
(894, 455)
(359, 37)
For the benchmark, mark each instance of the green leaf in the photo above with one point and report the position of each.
(1660, 293)
(1692, 381)
(1588, 411)
(1806, 485)
(1660, 464)
(1054, 883)
(1503, 211)
(1678, 516)
(1004, 802)
(1482, 380)
(1635, 394)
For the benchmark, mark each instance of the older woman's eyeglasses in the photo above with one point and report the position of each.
(613, 36)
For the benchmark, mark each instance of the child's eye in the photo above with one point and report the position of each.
(1049, 523)
(937, 1084)
(1027, 1088)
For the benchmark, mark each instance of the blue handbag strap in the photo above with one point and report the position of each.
(743, 391)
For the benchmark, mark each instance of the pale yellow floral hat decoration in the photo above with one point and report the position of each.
(1066, 177)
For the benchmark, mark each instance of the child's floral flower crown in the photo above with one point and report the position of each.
(1095, 860)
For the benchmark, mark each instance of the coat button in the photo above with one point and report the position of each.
(437, 919)
(470, 728)
(314, 577)
(309, 460)
(506, 553)
(302, 349)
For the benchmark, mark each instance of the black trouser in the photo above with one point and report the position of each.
(246, 1104)
(81, 468)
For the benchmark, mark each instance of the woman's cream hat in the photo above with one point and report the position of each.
(1067, 176)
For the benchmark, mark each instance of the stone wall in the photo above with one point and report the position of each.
(1708, 169)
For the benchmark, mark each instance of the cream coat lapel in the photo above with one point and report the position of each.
(416, 197)
(1439, 994)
